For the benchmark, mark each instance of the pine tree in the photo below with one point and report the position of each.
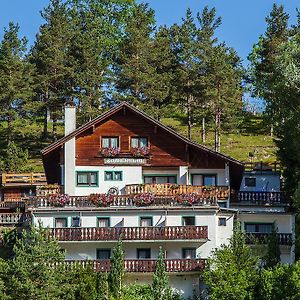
(15, 77)
(98, 32)
(54, 71)
(160, 286)
(102, 286)
(272, 257)
(116, 275)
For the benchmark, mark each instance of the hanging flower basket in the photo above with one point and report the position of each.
(140, 151)
(58, 200)
(110, 152)
(187, 199)
(101, 200)
(143, 199)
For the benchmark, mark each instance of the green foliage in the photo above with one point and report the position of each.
(273, 249)
(102, 286)
(14, 159)
(232, 270)
(160, 285)
(116, 275)
(138, 292)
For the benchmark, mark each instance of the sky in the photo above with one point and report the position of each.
(242, 20)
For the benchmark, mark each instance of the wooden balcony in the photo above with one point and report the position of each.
(262, 238)
(23, 179)
(261, 166)
(142, 265)
(13, 219)
(119, 201)
(260, 198)
(170, 233)
(206, 192)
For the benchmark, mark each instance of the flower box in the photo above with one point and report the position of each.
(140, 151)
(187, 199)
(109, 152)
(143, 199)
(58, 200)
(101, 200)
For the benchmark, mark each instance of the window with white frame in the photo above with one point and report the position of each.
(139, 142)
(110, 142)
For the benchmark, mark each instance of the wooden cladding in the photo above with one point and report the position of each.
(165, 149)
(141, 265)
(170, 233)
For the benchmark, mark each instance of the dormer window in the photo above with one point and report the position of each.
(110, 142)
(139, 142)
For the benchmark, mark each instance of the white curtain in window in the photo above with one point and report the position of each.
(102, 222)
(82, 178)
(60, 223)
(134, 142)
(114, 142)
(146, 222)
(143, 142)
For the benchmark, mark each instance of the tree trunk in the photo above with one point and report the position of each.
(218, 130)
(9, 128)
(203, 133)
(189, 116)
(271, 130)
(54, 129)
(45, 123)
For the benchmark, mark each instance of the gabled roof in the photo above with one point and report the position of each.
(126, 105)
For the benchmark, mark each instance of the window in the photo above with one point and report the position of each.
(75, 222)
(209, 180)
(139, 142)
(103, 222)
(259, 227)
(87, 178)
(60, 222)
(189, 253)
(103, 253)
(146, 222)
(250, 181)
(144, 253)
(204, 179)
(160, 179)
(188, 221)
(222, 221)
(110, 142)
(113, 176)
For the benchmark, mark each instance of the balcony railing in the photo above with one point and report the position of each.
(205, 192)
(142, 265)
(7, 219)
(23, 179)
(170, 233)
(262, 166)
(260, 198)
(119, 201)
(262, 238)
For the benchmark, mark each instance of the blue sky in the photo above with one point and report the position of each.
(243, 21)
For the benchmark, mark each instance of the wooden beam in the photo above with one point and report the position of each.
(155, 129)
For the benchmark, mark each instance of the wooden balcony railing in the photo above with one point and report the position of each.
(22, 179)
(206, 192)
(262, 166)
(170, 233)
(7, 219)
(141, 265)
(260, 198)
(262, 238)
(12, 204)
(119, 201)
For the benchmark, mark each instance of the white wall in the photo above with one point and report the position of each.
(131, 174)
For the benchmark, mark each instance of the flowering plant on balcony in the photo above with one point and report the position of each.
(101, 200)
(140, 151)
(59, 200)
(110, 151)
(143, 199)
(187, 199)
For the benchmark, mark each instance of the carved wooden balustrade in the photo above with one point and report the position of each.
(262, 238)
(130, 233)
(260, 198)
(141, 265)
(205, 192)
(10, 179)
(11, 219)
(119, 201)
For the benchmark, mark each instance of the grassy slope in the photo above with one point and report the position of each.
(253, 138)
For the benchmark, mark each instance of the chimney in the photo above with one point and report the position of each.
(70, 117)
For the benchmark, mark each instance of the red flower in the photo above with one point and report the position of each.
(59, 200)
(143, 199)
(101, 200)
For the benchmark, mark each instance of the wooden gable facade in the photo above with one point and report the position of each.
(167, 148)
